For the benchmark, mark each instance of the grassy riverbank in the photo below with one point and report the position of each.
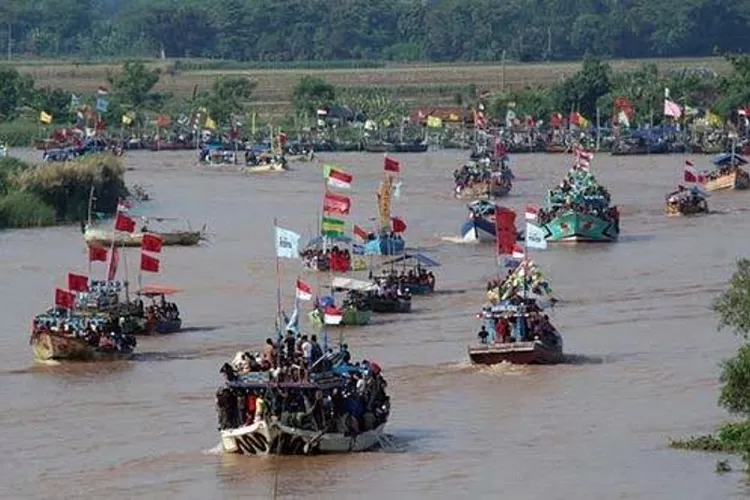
(57, 193)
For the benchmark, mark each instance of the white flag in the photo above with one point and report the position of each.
(287, 243)
(535, 237)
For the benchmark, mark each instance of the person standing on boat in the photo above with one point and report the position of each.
(306, 352)
(483, 335)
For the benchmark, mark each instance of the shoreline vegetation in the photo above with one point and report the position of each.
(732, 307)
(51, 194)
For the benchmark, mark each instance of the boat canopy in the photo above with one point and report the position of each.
(352, 284)
(419, 258)
(155, 290)
(318, 240)
(728, 159)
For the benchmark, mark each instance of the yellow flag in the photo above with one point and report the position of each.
(713, 119)
(45, 117)
(434, 122)
(210, 124)
(126, 120)
(454, 117)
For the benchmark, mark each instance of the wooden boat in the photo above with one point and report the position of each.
(517, 353)
(102, 237)
(167, 318)
(416, 281)
(274, 166)
(390, 305)
(679, 207)
(51, 346)
(737, 179)
(483, 190)
(352, 317)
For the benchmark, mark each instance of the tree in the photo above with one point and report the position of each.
(134, 83)
(312, 93)
(582, 90)
(10, 93)
(53, 101)
(228, 96)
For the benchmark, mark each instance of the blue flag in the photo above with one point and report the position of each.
(287, 243)
(102, 105)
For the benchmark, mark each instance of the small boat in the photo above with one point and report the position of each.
(104, 237)
(275, 165)
(686, 202)
(518, 346)
(316, 415)
(161, 317)
(480, 225)
(482, 179)
(355, 307)
(417, 280)
(390, 304)
(728, 173)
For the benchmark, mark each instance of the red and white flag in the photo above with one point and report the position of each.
(304, 292)
(340, 179)
(531, 212)
(691, 175)
(517, 252)
(336, 204)
(672, 109)
(333, 316)
(360, 233)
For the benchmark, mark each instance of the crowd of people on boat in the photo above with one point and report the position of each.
(99, 331)
(417, 277)
(316, 401)
(725, 170)
(525, 326)
(160, 311)
(684, 198)
(482, 173)
(332, 259)
(579, 192)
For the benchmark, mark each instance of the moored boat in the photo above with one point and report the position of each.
(102, 237)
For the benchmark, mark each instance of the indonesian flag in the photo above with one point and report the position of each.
(333, 316)
(336, 204)
(340, 179)
(531, 212)
(304, 292)
(360, 233)
(691, 175)
(517, 252)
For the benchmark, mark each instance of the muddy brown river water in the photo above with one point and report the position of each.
(635, 315)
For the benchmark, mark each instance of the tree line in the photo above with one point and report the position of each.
(399, 30)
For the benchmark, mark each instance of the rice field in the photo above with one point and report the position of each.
(421, 83)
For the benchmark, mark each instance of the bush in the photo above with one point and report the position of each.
(19, 133)
(22, 209)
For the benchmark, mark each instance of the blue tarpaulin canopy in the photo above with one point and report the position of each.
(420, 259)
(728, 159)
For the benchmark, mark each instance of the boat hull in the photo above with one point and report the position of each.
(730, 181)
(98, 237)
(269, 167)
(351, 318)
(163, 327)
(676, 210)
(517, 353)
(50, 347)
(384, 246)
(390, 306)
(478, 230)
(577, 227)
(484, 191)
(420, 289)
(276, 439)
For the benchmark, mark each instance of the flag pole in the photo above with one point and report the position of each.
(112, 243)
(278, 276)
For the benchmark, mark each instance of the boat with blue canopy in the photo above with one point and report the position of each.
(415, 274)
(728, 173)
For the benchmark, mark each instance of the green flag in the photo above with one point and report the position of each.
(332, 226)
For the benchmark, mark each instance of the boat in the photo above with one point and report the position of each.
(275, 164)
(579, 210)
(104, 237)
(686, 202)
(398, 302)
(480, 224)
(386, 240)
(316, 413)
(161, 317)
(355, 307)
(414, 275)
(63, 335)
(325, 254)
(483, 178)
(728, 173)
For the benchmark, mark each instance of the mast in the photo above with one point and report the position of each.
(278, 283)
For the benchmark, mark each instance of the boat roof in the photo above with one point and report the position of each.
(155, 290)
(318, 240)
(353, 284)
(420, 258)
(728, 159)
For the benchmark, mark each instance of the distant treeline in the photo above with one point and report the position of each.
(395, 30)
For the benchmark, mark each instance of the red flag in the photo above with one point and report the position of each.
(151, 243)
(78, 282)
(149, 264)
(505, 230)
(398, 224)
(65, 299)
(114, 261)
(392, 165)
(336, 204)
(691, 175)
(124, 223)
(97, 254)
(360, 233)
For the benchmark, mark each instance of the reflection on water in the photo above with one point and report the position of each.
(641, 363)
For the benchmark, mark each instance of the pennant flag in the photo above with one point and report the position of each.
(531, 212)
(151, 243)
(45, 117)
(392, 165)
(78, 282)
(102, 91)
(332, 227)
(336, 204)
(149, 264)
(398, 225)
(535, 237)
(691, 175)
(65, 299)
(304, 292)
(333, 316)
(339, 179)
(124, 223)
(97, 254)
(287, 243)
(672, 109)
(517, 252)
(360, 233)
(113, 263)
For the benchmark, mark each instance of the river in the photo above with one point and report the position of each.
(635, 315)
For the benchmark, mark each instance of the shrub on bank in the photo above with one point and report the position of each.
(51, 193)
(20, 133)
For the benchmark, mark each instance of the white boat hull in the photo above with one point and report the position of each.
(261, 438)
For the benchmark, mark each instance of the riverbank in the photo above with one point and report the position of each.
(39, 195)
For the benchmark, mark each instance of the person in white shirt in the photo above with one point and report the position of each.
(307, 348)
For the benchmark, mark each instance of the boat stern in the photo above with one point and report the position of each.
(574, 227)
